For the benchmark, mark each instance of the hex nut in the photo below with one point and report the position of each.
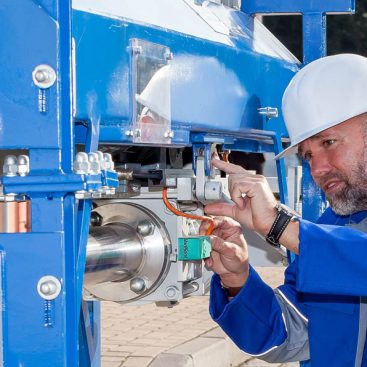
(81, 163)
(95, 166)
(23, 165)
(10, 166)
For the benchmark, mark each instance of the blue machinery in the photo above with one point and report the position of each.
(138, 80)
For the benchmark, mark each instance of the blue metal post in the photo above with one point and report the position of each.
(38, 332)
(314, 47)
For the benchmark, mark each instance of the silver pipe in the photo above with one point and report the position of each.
(114, 254)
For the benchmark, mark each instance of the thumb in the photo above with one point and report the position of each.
(224, 248)
(221, 209)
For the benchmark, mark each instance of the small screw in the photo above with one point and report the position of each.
(169, 134)
(269, 112)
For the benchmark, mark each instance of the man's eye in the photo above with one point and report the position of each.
(328, 142)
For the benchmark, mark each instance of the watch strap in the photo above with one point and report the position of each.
(280, 224)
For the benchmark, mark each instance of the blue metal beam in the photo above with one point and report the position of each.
(297, 6)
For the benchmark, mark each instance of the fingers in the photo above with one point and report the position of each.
(220, 222)
(220, 209)
(228, 167)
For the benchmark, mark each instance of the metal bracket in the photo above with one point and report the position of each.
(206, 190)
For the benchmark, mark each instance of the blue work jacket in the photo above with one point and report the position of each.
(320, 312)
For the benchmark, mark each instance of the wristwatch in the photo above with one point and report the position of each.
(283, 218)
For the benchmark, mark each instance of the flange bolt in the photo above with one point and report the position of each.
(137, 285)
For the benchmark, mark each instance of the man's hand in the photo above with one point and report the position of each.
(229, 257)
(254, 202)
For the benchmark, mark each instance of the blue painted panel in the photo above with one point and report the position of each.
(216, 87)
(26, 339)
(298, 6)
(27, 39)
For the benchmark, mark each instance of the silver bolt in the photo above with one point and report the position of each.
(10, 166)
(169, 134)
(138, 133)
(95, 166)
(23, 165)
(137, 285)
(44, 76)
(269, 112)
(145, 228)
(129, 133)
(172, 292)
(168, 55)
(49, 287)
(137, 49)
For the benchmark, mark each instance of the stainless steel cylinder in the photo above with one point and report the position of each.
(114, 254)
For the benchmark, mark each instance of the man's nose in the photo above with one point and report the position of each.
(319, 165)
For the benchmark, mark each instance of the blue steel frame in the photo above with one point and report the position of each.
(41, 34)
(37, 332)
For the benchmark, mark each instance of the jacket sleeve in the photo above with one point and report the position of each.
(262, 322)
(332, 260)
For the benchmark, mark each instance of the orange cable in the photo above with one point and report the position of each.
(225, 156)
(191, 216)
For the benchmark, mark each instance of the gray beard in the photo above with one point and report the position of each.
(353, 198)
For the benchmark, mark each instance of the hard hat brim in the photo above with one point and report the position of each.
(293, 149)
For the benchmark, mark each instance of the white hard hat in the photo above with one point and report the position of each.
(324, 93)
(157, 95)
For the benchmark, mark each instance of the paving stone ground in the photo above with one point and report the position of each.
(142, 336)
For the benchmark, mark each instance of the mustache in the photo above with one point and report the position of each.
(332, 176)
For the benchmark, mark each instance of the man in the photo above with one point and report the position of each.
(320, 312)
